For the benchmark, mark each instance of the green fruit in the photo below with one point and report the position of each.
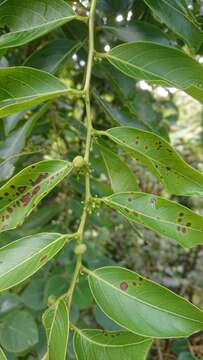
(80, 249)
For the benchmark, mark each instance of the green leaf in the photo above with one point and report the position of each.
(100, 345)
(137, 108)
(2, 355)
(176, 15)
(142, 306)
(20, 195)
(22, 258)
(121, 177)
(160, 158)
(32, 296)
(56, 323)
(53, 55)
(15, 142)
(27, 20)
(163, 216)
(9, 301)
(138, 30)
(22, 87)
(19, 332)
(159, 64)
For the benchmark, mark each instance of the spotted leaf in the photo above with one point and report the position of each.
(26, 20)
(56, 323)
(142, 306)
(163, 216)
(161, 159)
(20, 195)
(22, 258)
(98, 344)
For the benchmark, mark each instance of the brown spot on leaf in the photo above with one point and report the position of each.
(124, 286)
(43, 258)
(36, 190)
(188, 224)
(21, 189)
(25, 199)
(40, 178)
(10, 210)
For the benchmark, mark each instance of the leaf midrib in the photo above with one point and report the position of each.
(81, 333)
(148, 216)
(31, 256)
(143, 302)
(151, 159)
(159, 77)
(12, 33)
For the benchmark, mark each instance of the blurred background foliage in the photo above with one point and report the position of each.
(56, 131)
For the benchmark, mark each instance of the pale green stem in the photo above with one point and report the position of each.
(86, 93)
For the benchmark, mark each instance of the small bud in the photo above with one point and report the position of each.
(52, 300)
(79, 162)
(80, 249)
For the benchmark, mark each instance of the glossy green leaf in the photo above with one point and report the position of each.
(176, 15)
(20, 195)
(22, 258)
(163, 216)
(121, 177)
(100, 345)
(53, 55)
(138, 30)
(159, 64)
(2, 355)
(142, 306)
(25, 20)
(22, 87)
(161, 159)
(56, 323)
(19, 332)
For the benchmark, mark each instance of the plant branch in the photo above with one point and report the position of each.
(86, 92)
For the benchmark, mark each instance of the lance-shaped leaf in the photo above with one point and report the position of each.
(163, 216)
(56, 323)
(138, 30)
(2, 355)
(53, 55)
(160, 157)
(20, 195)
(121, 177)
(142, 306)
(159, 64)
(100, 345)
(22, 258)
(22, 87)
(25, 20)
(176, 15)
